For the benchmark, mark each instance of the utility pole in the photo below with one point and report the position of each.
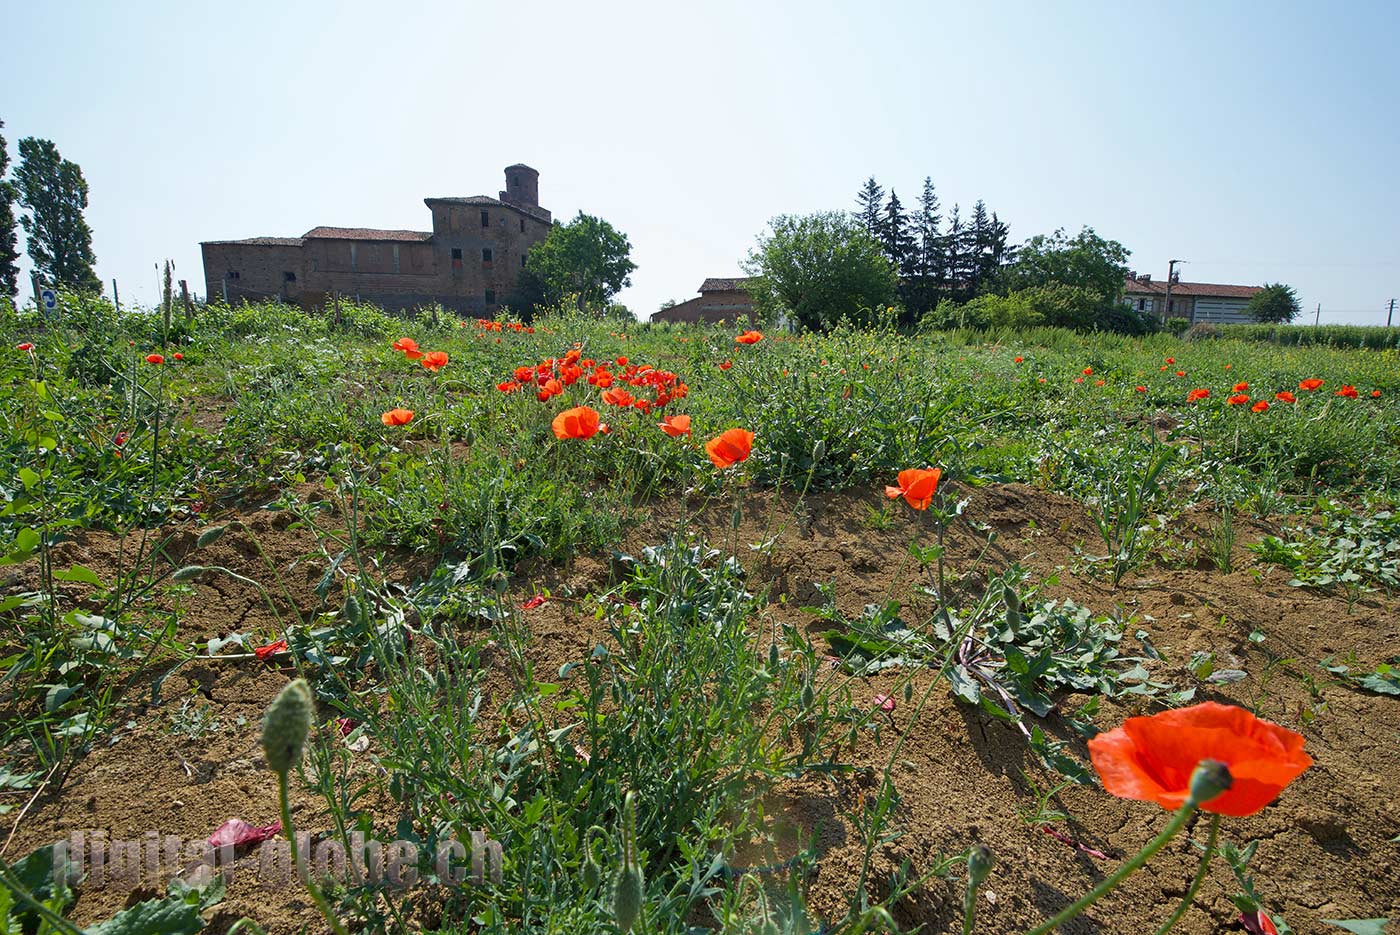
(1167, 300)
(1317, 316)
(1390, 314)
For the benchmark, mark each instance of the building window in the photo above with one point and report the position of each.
(1171, 306)
(485, 219)
(233, 274)
(486, 254)
(522, 261)
(490, 296)
(1142, 304)
(456, 253)
(289, 277)
(515, 181)
(522, 225)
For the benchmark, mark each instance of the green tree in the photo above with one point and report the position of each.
(1086, 260)
(1274, 304)
(585, 261)
(9, 250)
(869, 203)
(819, 268)
(896, 237)
(53, 191)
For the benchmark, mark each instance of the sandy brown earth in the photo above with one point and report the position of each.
(1326, 846)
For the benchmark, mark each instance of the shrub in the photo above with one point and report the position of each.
(1200, 331)
(1177, 325)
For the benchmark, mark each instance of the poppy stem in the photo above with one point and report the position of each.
(1197, 880)
(1134, 863)
(302, 871)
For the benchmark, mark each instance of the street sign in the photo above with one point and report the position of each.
(49, 300)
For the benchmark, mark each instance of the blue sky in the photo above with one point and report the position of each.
(1257, 141)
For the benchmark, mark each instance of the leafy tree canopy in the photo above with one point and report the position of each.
(54, 193)
(585, 261)
(1276, 304)
(1086, 260)
(819, 268)
(9, 252)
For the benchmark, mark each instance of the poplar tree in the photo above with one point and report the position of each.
(9, 250)
(54, 192)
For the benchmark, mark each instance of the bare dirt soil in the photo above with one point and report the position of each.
(1327, 850)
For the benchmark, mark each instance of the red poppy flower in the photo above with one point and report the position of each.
(617, 396)
(917, 486)
(1196, 394)
(26, 346)
(622, 361)
(1140, 389)
(1257, 923)
(524, 374)
(1170, 360)
(726, 365)
(178, 356)
(1284, 396)
(408, 347)
(1241, 387)
(885, 703)
(533, 602)
(397, 417)
(1375, 394)
(1088, 371)
(729, 448)
(120, 439)
(1347, 391)
(1181, 373)
(1260, 406)
(435, 360)
(675, 426)
(578, 422)
(1239, 399)
(1078, 379)
(154, 359)
(1310, 385)
(1018, 360)
(749, 337)
(1152, 758)
(1099, 382)
(509, 386)
(267, 652)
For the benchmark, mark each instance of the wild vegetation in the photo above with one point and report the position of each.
(708, 629)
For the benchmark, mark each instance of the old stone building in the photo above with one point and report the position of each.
(720, 300)
(468, 261)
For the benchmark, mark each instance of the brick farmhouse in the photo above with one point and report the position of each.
(719, 300)
(468, 262)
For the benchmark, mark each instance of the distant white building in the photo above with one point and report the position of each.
(1198, 301)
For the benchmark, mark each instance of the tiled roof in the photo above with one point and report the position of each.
(261, 242)
(366, 233)
(521, 165)
(487, 201)
(736, 284)
(1199, 289)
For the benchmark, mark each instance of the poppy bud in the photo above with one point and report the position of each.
(772, 656)
(809, 697)
(1013, 608)
(737, 519)
(819, 450)
(1210, 779)
(285, 726)
(628, 884)
(908, 692)
(979, 863)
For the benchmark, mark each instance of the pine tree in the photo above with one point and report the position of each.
(953, 276)
(979, 246)
(926, 230)
(54, 192)
(869, 201)
(9, 250)
(895, 236)
(1000, 252)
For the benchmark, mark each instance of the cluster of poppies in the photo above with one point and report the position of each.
(486, 324)
(431, 360)
(549, 377)
(1240, 394)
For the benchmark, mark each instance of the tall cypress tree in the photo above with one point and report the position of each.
(896, 238)
(55, 193)
(9, 249)
(869, 201)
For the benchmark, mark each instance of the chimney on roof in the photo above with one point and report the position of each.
(1145, 277)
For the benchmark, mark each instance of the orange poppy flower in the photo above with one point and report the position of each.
(622, 361)
(1018, 360)
(726, 365)
(178, 356)
(1199, 393)
(917, 486)
(617, 396)
(1181, 373)
(1375, 394)
(675, 426)
(1310, 385)
(749, 337)
(1239, 399)
(1260, 406)
(509, 386)
(1170, 360)
(729, 448)
(1140, 389)
(578, 422)
(435, 360)
(408, 347)
(1088, 371)
(524, 374)
(1241, 387)
(1099, 382)
(154, 359)
(25, 346)
(1348, 391)
(397, 417)
(1078, 379)
(1151, 758)
(1284, 396)
(265, 653)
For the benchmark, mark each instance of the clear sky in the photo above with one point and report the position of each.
(1258, 141)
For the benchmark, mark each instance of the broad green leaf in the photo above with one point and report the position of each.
(80, 574)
